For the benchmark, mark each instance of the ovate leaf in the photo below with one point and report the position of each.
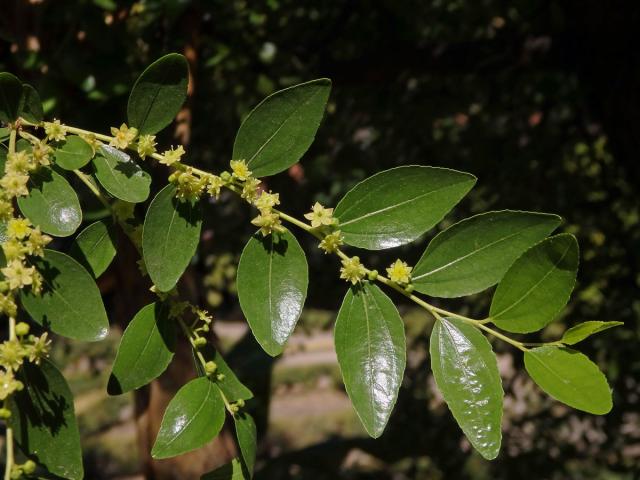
(95, 247)
(370, 343)
(396, 206)
(44, 423)
(121, 176)
(536, 286)
(145, 351)
(280, 129)
(70, 303)
(30, 105)
(170, 237)
(74, 153)
(158, 94)
(466, 372)
(247, 440)
(193, 417)
(229, 471)
(474, 254)
(586, 329)
(569, 377)
(51, 204)
(10, 97)
(272, 286)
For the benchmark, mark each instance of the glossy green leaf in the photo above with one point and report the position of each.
(569, 377)
(30, 105)
(282, 127)
(370, 343)
(586, 329)
(230, 385)
(52, 204)
(474, 254)
(229, 471)
(145, 350)
(272, 286)
(396, 206)
(170, 237)
(95, 247)
(74, 153)
(466, 372)
(10, 97)
(158, 94)
(193, 417)
(44, 422)
(247, 439)
(70, 303)
(536, 286)
(121, 176)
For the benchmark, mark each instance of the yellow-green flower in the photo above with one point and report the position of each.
(19, 162)
(17, 274)
(11, 354)
(15, 184)
(352, 270)
(320, 216)
(214, 184)
(240, 169)
(250, 189)
(332, 242)
(268, 222)
(39, 348)
(55, 131)
(146, 145)
(188, 186)
(37, 241)
(266, 201)
(18, 228)
(8, 384)
(6, 210)
(8, 305)
(123, 136)
(399, 272)
(40, 153)
(14, 249)
(172, 156)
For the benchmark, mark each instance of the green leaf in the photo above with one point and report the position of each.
(229, 471)
(466, 372)
(474, 254)
(52, 204)
(272, 286)
(370, 343)
(158, 94)
(10, 97)
(536, 286)
(247, 439)
(569, 377)
(70, 303)
(74, 153)
(193, 417)
(230, 385)
(396, 206)
(44, 422)
(282, 127)
(31, 106)
(586, 329)
(145, 351)
(170, 237)
(95, 247)
(121, 176)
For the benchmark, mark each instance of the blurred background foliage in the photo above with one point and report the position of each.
(538, 99)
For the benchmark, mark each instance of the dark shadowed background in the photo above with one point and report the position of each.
(539, 99)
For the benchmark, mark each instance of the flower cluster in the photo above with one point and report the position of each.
(22, 241)
(188, 186)
(269, 220)
(352, 270)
